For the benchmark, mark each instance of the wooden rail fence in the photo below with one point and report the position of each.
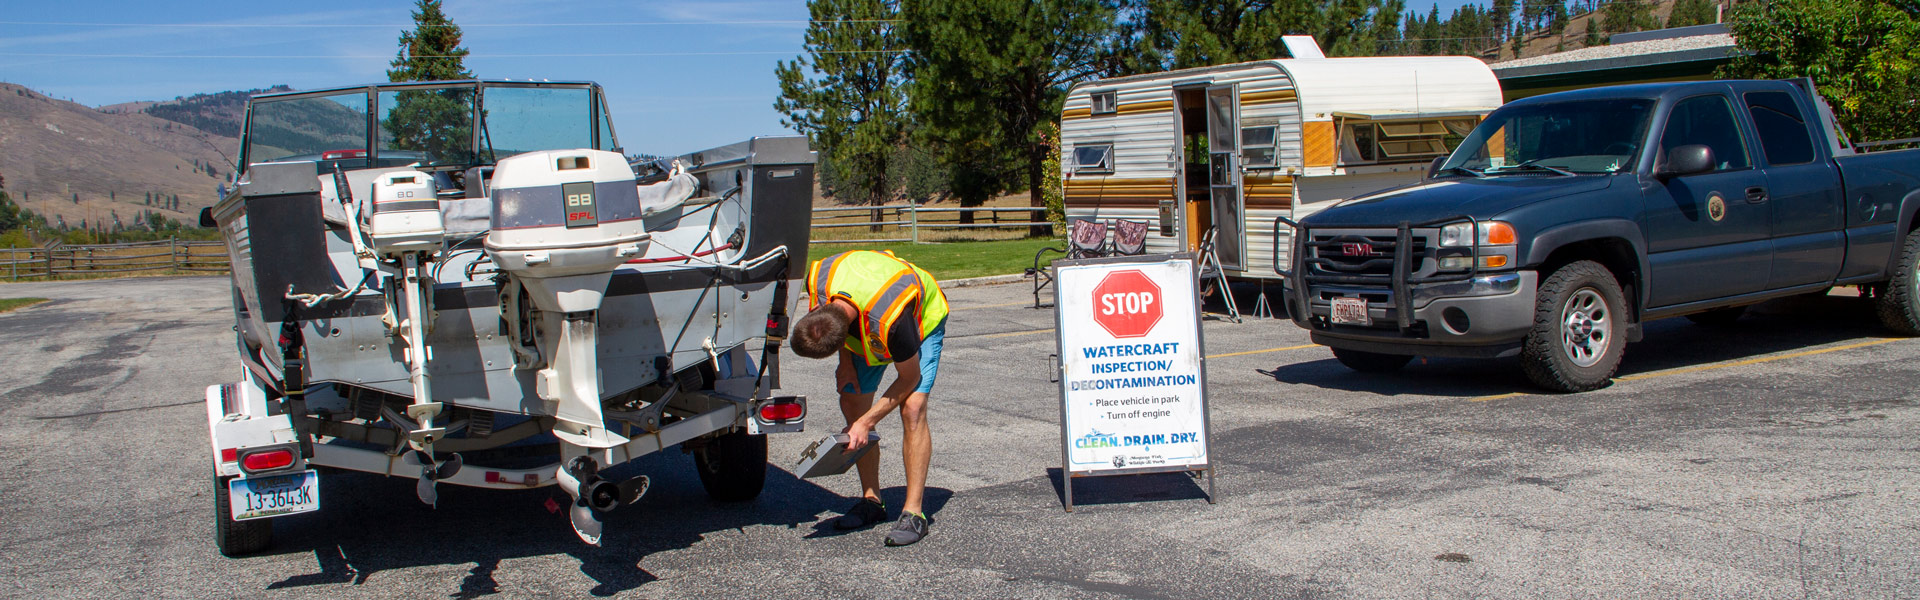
(59, 260)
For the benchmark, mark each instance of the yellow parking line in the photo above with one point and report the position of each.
(1710, 367)
(1752, 361)
(990, 306)
(1300, 347)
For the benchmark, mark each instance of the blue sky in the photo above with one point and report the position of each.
(681, 75)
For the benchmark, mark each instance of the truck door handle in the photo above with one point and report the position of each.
(1756, 195)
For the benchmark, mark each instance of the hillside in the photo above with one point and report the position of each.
(76, 163)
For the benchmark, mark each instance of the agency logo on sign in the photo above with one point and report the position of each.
(1127, 304)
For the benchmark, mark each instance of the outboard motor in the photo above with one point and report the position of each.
(562, 222)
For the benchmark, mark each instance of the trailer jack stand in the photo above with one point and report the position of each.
(593, 494)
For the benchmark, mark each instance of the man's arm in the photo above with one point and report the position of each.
(907, 378)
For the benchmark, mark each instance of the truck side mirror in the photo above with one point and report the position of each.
(1687, 160)
(1434, 168)
(206, 217)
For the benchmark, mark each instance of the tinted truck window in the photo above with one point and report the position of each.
(1707, 120)
(1783, 134)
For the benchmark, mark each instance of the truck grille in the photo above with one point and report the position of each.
(1360, 254)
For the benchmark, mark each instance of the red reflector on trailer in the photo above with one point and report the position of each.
(229, 454)
(780, 412)
(267, 461)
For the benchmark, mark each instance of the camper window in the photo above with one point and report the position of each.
(1105, 102)
(1093, 159)
(1256, 146)
(1368, 142)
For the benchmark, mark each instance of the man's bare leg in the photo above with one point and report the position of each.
(916, 448)
(852, 406)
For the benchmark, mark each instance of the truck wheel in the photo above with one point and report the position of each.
(1899, 300)
(1579, 329)
(1370, 362)
(236, 538)
(733, 467)
(1719, 317)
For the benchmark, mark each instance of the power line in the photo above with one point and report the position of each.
(462, 26)
(390, 56)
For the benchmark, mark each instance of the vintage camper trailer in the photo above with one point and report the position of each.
(1238, 145)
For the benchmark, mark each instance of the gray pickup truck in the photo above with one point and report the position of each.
(1565, 221)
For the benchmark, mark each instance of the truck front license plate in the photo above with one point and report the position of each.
(1351, 311)
(274, 495)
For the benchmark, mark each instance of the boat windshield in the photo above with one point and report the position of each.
(1581, 136)
(431, 127)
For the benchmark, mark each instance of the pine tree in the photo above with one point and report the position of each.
(432, 50)
(847, 94)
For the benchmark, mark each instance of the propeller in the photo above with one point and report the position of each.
(431, 473)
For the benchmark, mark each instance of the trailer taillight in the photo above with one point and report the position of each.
(781, 411)
(269, 460)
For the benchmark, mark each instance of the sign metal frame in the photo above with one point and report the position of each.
(1067, 473)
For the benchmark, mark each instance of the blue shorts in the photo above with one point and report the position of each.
(929, 355)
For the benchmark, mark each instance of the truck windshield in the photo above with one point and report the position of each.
(446, 126)
(1581, 136)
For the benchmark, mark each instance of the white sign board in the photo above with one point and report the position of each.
(1132, 376)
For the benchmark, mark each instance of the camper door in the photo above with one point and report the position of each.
(1223, 176)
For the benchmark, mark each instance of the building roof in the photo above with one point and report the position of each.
(1663, 55)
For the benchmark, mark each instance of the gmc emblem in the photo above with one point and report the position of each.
(1357, 250)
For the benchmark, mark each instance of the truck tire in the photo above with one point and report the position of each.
(1719, 317)
(1579, 330)
(1899, 300)
(236, 538)
(733, 467)
(1370, 362)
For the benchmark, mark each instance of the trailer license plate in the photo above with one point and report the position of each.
(274, 495)
(1351, 311)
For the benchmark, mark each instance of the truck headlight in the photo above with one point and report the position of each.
(1492, 233)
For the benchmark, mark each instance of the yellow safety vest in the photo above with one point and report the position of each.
(880, 285)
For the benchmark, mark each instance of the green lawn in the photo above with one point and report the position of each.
(956, 260)
(7, 304)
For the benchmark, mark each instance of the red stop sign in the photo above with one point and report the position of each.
(1127, 303)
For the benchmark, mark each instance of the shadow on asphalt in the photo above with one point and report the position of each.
(1784, 325)
(1128, 489)
(371, 524)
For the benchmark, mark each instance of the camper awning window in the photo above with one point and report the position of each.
(1402, 115)
(1097, 158)
(1366, 141)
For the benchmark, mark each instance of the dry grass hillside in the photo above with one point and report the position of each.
(53, 150)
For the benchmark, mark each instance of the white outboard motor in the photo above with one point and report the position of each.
(562, 222)
(405, 215)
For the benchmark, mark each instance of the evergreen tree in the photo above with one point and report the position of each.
(432, 50)
(846, 94)
(987, 73)
(1687, 13)
(1627, 16)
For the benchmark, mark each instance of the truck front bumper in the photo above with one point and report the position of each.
(1484, 316)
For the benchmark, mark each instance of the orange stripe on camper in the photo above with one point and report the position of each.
(1317, 137)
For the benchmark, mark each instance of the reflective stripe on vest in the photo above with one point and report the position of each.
(880, 286)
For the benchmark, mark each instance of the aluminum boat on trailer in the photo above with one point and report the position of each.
(440, 280)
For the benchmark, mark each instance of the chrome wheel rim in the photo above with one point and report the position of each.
(1586, 327)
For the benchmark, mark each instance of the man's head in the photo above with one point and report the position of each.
(821, 332)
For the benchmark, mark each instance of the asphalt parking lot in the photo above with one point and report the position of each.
(1773, 459)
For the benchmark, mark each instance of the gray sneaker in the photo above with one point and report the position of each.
(909, 529)
(864, 514)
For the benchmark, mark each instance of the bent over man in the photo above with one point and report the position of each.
(875, 310)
